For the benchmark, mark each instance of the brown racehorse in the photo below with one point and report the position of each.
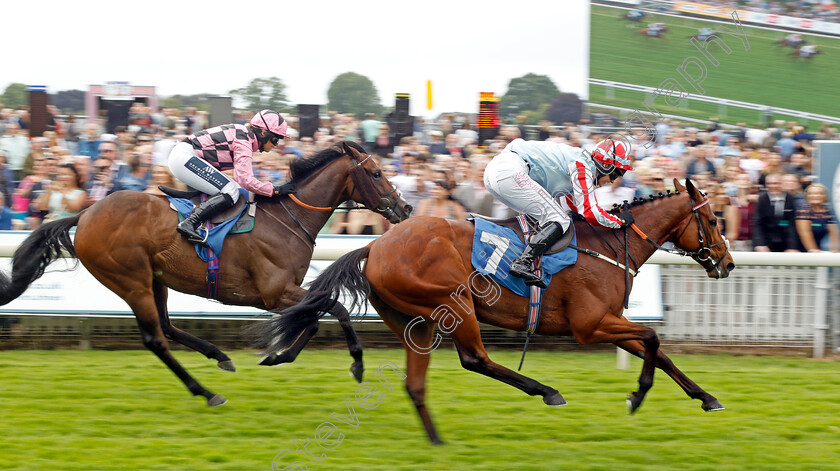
(128, 242)
(419, 275)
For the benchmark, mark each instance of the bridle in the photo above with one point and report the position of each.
(356, 179)
(704, 253)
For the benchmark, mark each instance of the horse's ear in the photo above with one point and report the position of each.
(689, 186)
(347, 149)
(678, 185)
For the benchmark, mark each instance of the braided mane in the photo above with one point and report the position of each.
(640, 201)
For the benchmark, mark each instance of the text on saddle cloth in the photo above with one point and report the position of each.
(496, 247)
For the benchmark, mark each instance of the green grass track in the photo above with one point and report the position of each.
(123, 410)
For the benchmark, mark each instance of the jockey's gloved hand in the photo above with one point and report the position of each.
(626, 216)
(278, 188)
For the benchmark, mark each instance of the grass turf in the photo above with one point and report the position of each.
(101, 410)
(765, 74)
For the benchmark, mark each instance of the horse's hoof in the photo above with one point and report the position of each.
(227, 365)
(269, 360)
(554, 400)
(713, 405)
(633, 402)
(216, 400)
(357, 370)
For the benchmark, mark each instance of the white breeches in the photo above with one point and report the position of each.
(200, 174)
(506, 178)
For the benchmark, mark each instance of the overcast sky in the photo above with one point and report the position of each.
(464, 47)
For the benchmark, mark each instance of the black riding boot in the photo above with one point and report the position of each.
(523, 266)
(206, 210)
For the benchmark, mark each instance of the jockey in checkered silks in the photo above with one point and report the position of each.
(545, 180)
(199, 158)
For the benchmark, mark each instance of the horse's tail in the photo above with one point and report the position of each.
(32, 257)
(345, 274)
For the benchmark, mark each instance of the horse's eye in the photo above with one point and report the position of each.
(713, 222)
(377, 174)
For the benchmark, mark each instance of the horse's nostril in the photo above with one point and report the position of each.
(730, 266)
(408, 209)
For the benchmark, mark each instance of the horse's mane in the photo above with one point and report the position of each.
(640, 201)
(303, 168)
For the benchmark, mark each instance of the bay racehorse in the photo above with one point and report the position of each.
(128, 242)
(419, 275)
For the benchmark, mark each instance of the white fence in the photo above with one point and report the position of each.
(772, 299)
(722, 103)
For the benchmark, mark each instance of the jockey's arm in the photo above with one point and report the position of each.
(243, 171)
(583, 190)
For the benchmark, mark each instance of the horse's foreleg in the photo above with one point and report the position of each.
(357, 368)
(184, 338)
(614, 329)
(710, 403)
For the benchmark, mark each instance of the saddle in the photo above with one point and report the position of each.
(195, 197)
(513, 224)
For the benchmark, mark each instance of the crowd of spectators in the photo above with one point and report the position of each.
(759, 179)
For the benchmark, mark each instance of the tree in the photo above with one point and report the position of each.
(353, 93)
(263, 93)
(15, 95)
(527, 93)
(69, 101)
(566, 108)
(200, 101)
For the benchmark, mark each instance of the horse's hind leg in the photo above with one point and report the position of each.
(357, 368)
(710, 403)
(417, 363)
(184, 338)
(467, 338)
(145, 310)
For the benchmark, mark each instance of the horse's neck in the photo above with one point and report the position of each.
(658, 220)
(322, 190)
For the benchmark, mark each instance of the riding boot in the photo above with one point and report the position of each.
(204, 211)
(523, 266)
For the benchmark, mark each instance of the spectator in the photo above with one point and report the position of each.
(699, 163)
(136, 178)
(5, 215)
(437, 145)
(16, 147)
(440, 202)
(63, 197)
(370, 129)
(772, 164)
(160, 176)
(356, 221)
(786, 146)
(89, 141)
(7, 178)
(383, 147)
(815, 225)
(466, 135)
(791, 186)
(100, 184)
(773, 227)
(739, 213)
(800, 165)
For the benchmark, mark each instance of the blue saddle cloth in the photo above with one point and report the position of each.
(217, 233)
(496, 247)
